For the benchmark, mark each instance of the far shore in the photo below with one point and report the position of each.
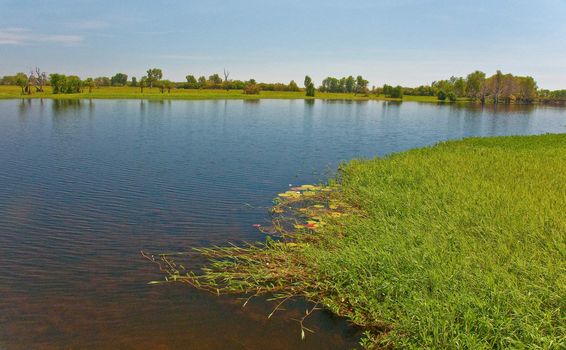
(14, 92)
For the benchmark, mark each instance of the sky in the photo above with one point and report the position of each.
(405, 42)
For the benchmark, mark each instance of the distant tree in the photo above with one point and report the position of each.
(293, 86)
(73, 84)
(153, 75)
(396, 92)
(251, 89)
(309, 86)
(226, 82)
(192, 82)
(215, 79)
(361, 85)
(527, 89)
(22, 80)
(308, 81)
(120, 79)
(89, 83)
(452, 97)
(459, 87)
(62, 84)
(441, 95)
(39, 79)
(143, 83)
(168, 85)
(134, 82)
(202, 82)
(101, 81)
(350, 82)
(58, 83)
(475, 85)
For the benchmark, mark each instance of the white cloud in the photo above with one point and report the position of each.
(21, 36)
(90, 24)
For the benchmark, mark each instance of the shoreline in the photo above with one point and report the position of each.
(435, 247)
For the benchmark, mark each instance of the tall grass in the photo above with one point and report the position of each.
(461, 245)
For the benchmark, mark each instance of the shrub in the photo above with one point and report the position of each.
(251, 89)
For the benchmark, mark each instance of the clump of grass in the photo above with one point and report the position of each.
(460, 245)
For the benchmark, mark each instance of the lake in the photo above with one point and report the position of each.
(86, 184)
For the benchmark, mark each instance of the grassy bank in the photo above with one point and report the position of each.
(11, 92)
(460, 245)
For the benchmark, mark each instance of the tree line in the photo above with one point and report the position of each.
(498, 88)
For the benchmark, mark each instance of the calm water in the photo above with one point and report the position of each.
(85, 185)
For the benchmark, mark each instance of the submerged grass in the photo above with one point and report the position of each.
(460, 245)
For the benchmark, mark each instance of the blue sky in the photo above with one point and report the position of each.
(405, 42)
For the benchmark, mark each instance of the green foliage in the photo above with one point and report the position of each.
(153, 75)
(89, 83)
(22, 80)
(393, 92)
(102, 81)
(361, 86)
(309, 87)
(120, 79)
(252, 89)
(134, 82)
(215, 79)
(457, 246)
(191, 82)
(293, 86)
(62, 84)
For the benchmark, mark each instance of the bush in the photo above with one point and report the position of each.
(252, 89)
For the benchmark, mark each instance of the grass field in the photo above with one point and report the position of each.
(457, 246)
(10, 92)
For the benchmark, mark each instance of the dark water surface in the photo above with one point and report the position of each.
(85, 185)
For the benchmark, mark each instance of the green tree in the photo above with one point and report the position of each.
(309, 86)
(89, 82)
(293, 86)
(73, 84)
(361, 85)
(475, 85)
(101, 81)
(120, 79)
(202, 82)
(22, 81)
(58, 83)
(396, 92)
(215, 79)
(349, 84)
(143, 83)
(460, 87)
(153, 75)
(192, 82)
(134, 82)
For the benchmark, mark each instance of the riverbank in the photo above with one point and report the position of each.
(460, 245)
(14, 92)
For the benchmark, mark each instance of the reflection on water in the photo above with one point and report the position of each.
(87, 184)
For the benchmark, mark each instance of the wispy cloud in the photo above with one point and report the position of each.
(22, 36)
(93, 24)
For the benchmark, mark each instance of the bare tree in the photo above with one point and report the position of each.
(226, 83)
(39, 79)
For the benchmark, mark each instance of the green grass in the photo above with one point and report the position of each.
(461, 245)
(11, 92)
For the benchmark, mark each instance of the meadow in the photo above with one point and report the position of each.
(458, 245)
(126, 92)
